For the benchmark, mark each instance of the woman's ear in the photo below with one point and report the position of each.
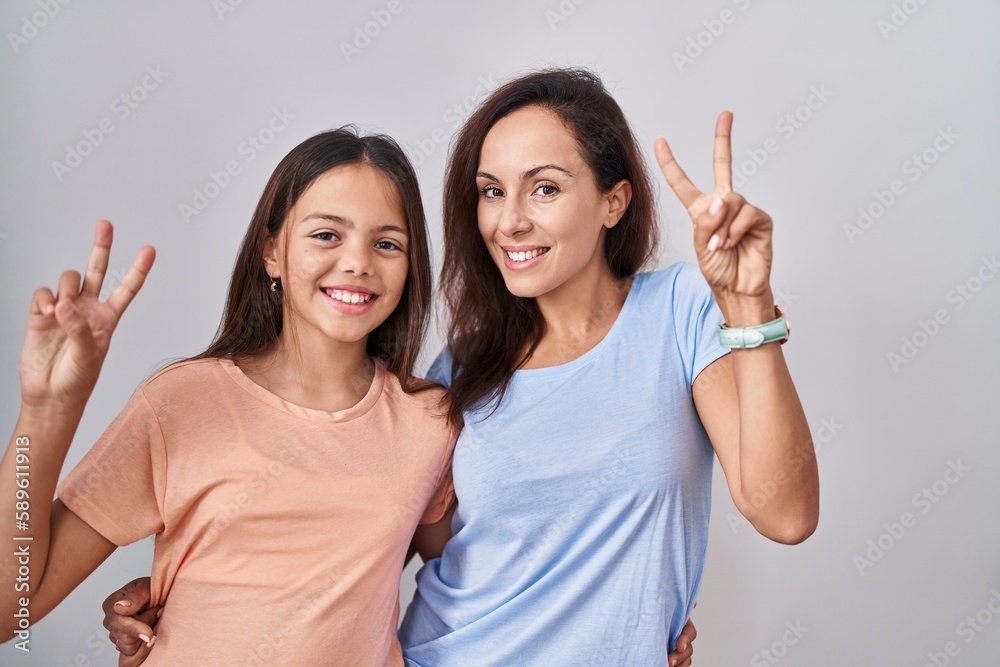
(271, 258)
(618, 200)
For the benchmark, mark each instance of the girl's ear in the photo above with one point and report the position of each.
(271, 258)
(618, 201)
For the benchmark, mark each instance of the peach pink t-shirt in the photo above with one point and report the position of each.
(281, 531)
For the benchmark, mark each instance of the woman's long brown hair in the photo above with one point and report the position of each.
(491, 332)
(252, 321)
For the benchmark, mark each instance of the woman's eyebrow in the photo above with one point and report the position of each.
(537, 170)
(528, 174)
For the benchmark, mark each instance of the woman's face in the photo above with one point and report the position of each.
(540, 211)
(342, 254)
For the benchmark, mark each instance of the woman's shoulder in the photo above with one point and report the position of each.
(669, 288)
(679, 275)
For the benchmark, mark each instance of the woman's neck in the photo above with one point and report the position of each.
(578, 315)
(323, 375)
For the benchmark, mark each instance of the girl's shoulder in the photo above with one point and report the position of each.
(185, 377)
(425, 400)
(419, 391)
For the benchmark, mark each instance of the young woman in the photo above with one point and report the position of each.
(593, 396)
(284, 470)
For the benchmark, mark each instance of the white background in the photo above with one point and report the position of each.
(892, 78)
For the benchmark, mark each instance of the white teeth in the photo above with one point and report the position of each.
(524, 256)
(349, 297)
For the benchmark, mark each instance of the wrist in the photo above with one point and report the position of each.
(746, 311)
(51, 411)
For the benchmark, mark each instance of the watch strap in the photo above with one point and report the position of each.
(745, 338)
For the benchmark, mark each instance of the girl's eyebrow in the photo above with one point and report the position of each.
(349, 224)
(332, 218)
(528, 174)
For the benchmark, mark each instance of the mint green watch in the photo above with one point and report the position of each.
(746, 338)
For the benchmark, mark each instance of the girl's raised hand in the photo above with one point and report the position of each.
(731, 238)
(68, 333)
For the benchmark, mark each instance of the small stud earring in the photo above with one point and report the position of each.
(274, 284)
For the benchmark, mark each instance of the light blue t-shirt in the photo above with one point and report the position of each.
(583, 501)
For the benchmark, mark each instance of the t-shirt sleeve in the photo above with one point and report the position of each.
(441, 370)
(444, 494)
(117, 488)
(697, 319)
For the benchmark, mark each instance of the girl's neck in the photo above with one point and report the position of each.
(578, 315)
(329, 376)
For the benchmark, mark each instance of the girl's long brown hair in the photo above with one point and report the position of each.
(252, 321)
(491, 332)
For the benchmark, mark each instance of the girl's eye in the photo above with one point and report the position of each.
(387, 245)
(547, 190)
(325, 236)
(491, 192)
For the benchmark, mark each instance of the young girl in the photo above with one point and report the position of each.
(593, 396)
(284, 470)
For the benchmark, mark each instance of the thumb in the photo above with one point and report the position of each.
(132, 597)
(709, 226)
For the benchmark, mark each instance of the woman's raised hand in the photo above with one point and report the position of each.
(68, 333)
(731, 238)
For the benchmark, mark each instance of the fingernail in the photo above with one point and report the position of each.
(48, 309)
(713, 243)
(728, 244)
(715, 206)
(123, 603)
(159, 612)
(149, 642)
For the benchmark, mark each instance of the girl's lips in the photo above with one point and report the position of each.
(361, 299)
(521, 265)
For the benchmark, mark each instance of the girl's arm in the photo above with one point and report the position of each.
(746, 400)
(49, 549)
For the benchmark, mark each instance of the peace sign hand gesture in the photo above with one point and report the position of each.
(68, 334)
(731, 238)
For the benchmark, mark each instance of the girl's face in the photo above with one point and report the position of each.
(342, 254)
(541, 213)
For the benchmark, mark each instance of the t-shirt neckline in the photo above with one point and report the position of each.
(594, 352)
(302, 412)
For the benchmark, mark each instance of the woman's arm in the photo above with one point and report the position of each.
(430, 538)
(746, 400)
(67, 338)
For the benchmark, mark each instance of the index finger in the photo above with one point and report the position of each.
(722, 159)
(676, 178)
(97, 265)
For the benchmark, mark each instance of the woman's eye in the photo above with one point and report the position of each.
(547, 190)
(387, 245)
(491, 192)
(325, 236)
